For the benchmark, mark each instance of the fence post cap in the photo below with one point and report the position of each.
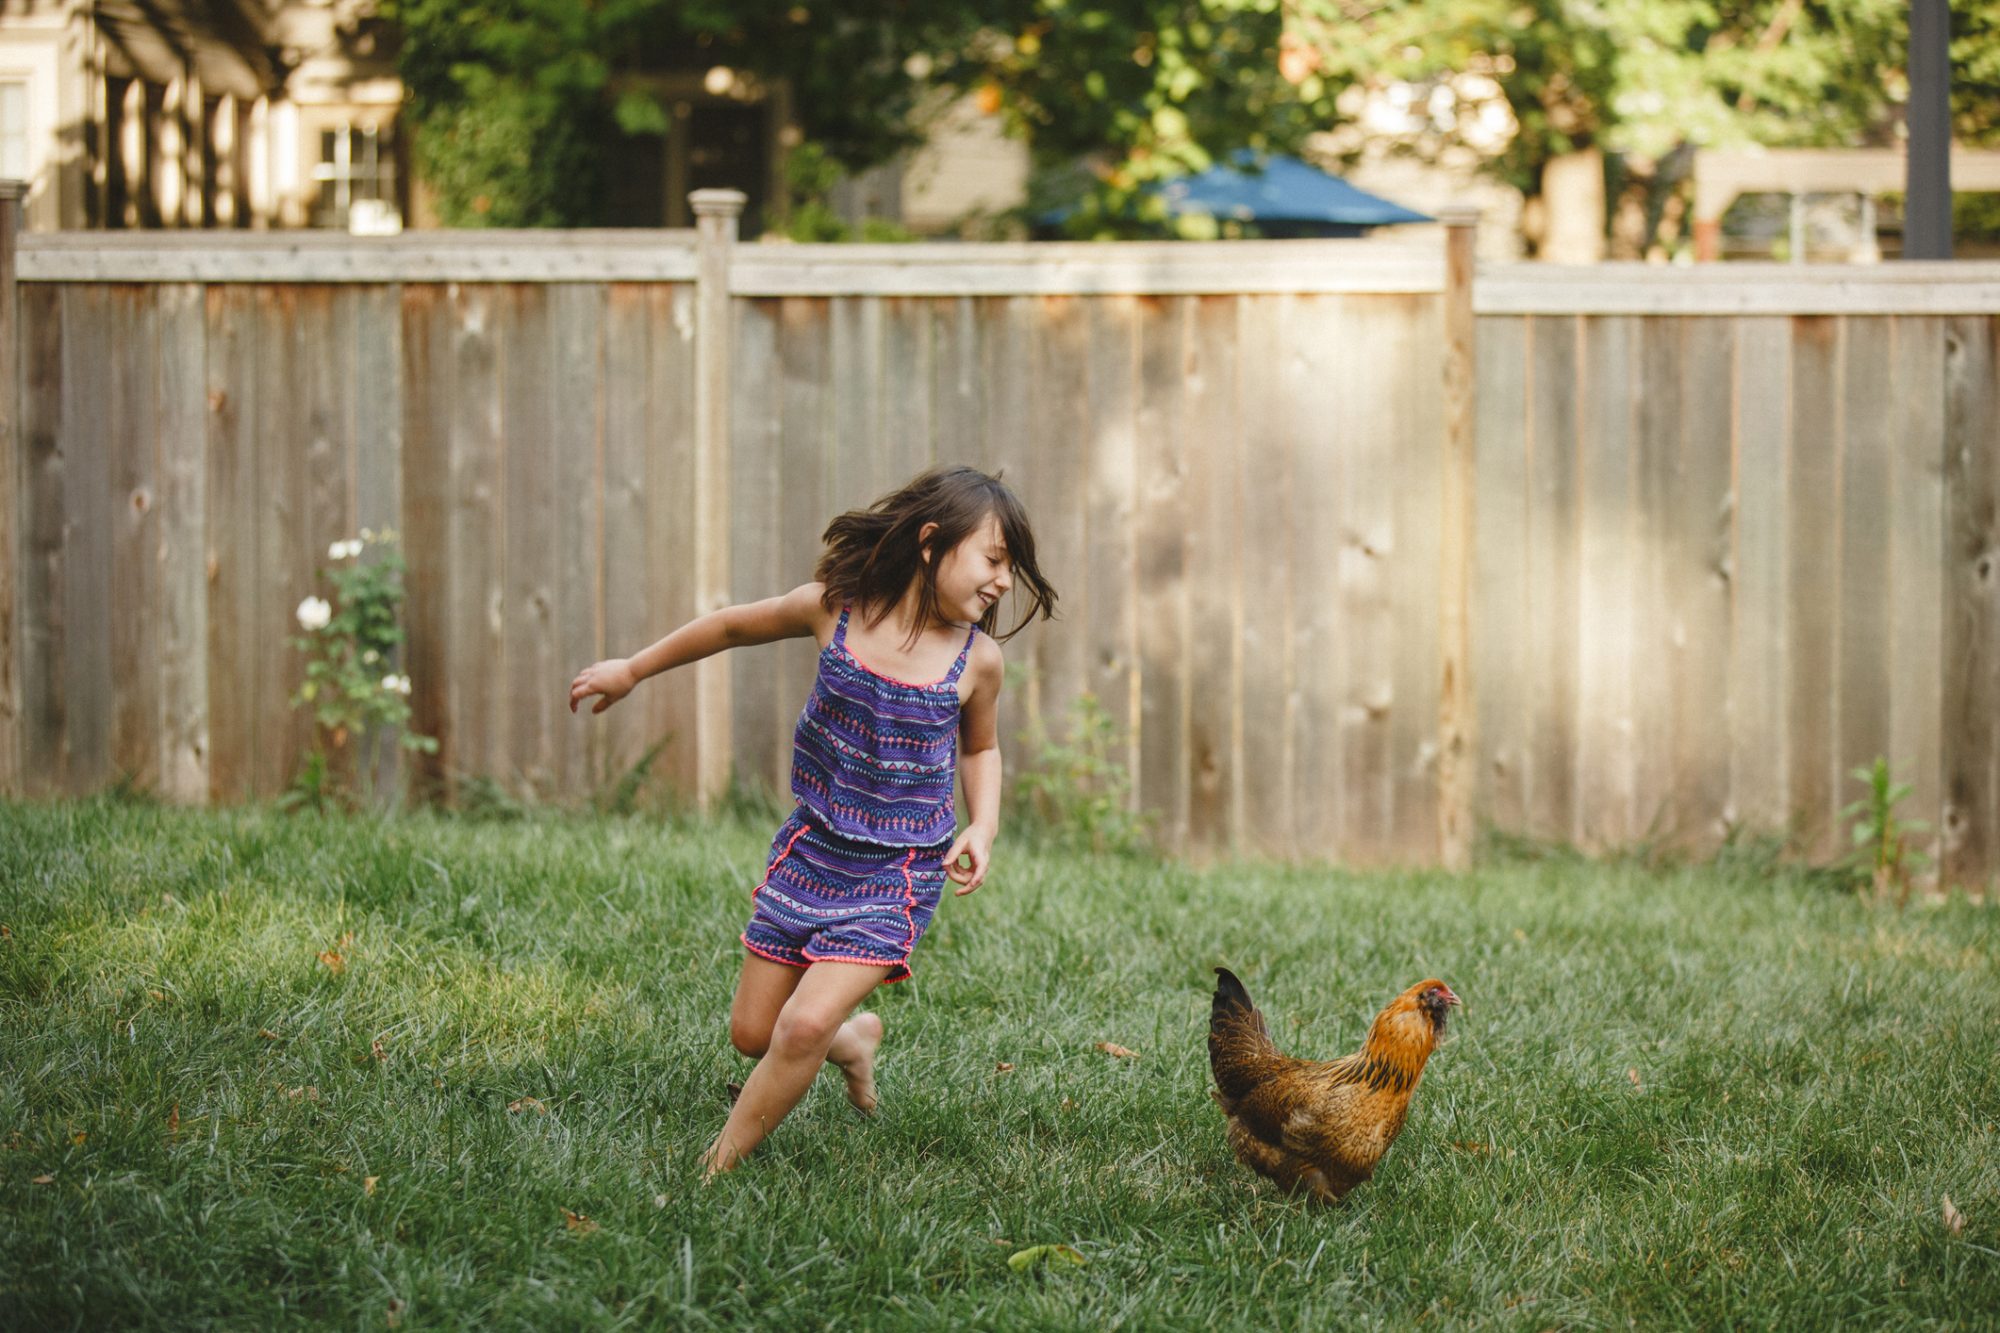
(718, 203)
(12, 189)
(1458, 215)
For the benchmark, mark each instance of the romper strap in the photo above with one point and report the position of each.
(840, 630)
(958, 665)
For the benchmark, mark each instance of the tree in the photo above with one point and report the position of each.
(1647, 80)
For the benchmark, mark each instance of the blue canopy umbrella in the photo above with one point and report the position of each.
(1281, 196)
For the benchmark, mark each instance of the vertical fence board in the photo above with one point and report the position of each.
(1604, 768)
(1813, 586)
(428, 391)
(130, 359)
(1506, 657)
(757, 434)
(529, 692)
(474, 646)
(627, 562)
(1215, 603)
(1871, 424)
(908, 371)
(1972, 602)
(374, 334)
(88, 684)
(1553, 525)
(321, 354)
(44, 619)
(1109, 564)
(1917, 568)
(672, 598)
(1322, 431)
(1702, 584)
(181, 407)
(1657, 594)
(1007, 365)
(1161, 520)
(1268, 667)
(1057, 484)
(1759, 720)
(1417, 322)
(576, 330)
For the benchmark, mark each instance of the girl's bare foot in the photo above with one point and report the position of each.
(864, 1034)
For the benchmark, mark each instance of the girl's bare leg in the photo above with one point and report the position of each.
(761, 992)
(812, 1024)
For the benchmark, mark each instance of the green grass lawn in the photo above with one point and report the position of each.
(1724, 1095)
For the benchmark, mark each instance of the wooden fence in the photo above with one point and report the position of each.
(1658, 555)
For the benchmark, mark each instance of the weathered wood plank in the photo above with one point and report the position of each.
(88, 357)
(429, 386)
(374, 330)
(1369, 536)
(182, 413)
(1813, 586)
(1972, 604)
(44, 617)
(577, 390)
(130, 355)
(1006, 364)
(1269, 664)
(1871, 423)
(1657, 593)
(1553, 552)
(1160, 547)
(1917, 570)
(958, 388)
(1056, 484)
(474, 646)
(1215, 602)
(1702, 585)
(230, 541)
(528, 671)
(1418, 324)
(1320, 338)
(804, 507)
(630, 572)
(859, 472)
(674, 595)
(1110, 568)
(1606, 587)
(1760, 666)
(321, 406)
(1504, 658)
(908, 371)
(756, 423)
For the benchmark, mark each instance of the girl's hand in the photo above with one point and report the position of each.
(975, 845)
(612, 678)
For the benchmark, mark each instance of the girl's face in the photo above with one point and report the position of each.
(974, 574)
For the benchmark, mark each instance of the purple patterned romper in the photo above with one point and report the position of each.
(858, 868)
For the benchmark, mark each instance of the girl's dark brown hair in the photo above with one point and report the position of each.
(872, 554)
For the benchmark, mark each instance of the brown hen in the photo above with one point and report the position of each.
(1319, 1125)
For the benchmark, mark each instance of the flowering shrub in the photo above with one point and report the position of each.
(350, 642)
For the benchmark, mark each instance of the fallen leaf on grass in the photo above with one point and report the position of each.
(6, 934)
(268, 1035)
(1468, 1145)
(332, 961)
(1954, 1221)
(1001, 1241)
(578, 1223)
(1520, 936)
(375, 1049)
(1112, 1048)
(78, 1138)
(158, 995)
(1049, 1256)
(45, 1180)
(520, 1104)
(174, 1119)
(368, 1184)
(307, 1093)
(659, 1201)
(1633, 1074)
(1003, 1068)
(396, 1308)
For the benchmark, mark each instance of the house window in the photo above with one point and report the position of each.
(357, 177)
(13, 129)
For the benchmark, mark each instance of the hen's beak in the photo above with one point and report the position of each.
(1450, 998)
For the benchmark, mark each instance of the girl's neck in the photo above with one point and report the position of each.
(904, 619)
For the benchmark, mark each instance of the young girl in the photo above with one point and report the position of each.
(907, 591)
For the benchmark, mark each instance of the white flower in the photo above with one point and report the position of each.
(367, 535)
(370, 658)
(314, 613)
(396, 684)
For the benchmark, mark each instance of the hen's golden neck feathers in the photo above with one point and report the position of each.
(1405, 1033)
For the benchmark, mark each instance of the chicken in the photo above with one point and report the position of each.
(1319, 1125)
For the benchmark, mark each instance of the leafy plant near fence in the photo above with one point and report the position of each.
(1077, 787)
(1883, 860)
(351, 641)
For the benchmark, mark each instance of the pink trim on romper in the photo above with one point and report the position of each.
(772, 869)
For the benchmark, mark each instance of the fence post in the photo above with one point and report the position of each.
(12, 194)
(1458, 752)
(716, 213)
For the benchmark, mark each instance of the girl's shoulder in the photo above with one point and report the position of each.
(985, 657)
(807, 602)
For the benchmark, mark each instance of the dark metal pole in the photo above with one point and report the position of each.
(1927, 207)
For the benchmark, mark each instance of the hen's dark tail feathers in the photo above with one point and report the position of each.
(1238, 1041)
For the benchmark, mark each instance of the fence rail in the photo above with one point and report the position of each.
(1650, 555)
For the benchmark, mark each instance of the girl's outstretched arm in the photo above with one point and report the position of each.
(978, 768)
(794, 615)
